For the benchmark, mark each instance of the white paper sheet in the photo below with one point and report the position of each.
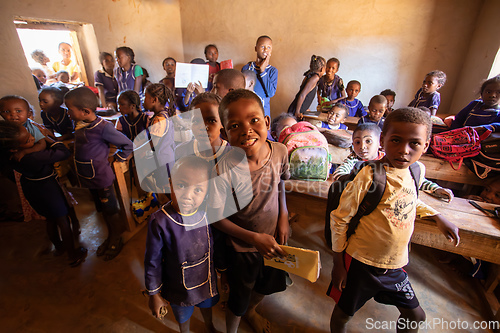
(186, 73)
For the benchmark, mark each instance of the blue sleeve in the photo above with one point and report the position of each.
(46, 122)
(123, 144)
(343, 126)
(436, 100)
(153, 258)
(460, 118)
(35, 132)
(360, 112)
(270, 79)
(98, 79)
(246, 67)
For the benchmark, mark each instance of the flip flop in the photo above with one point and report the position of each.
(82, 255)
(101, 250)
(113, 250)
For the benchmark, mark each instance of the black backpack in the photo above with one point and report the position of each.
(371, 199)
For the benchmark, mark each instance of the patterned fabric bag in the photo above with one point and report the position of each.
(307, 151)
(487, 162)
(457, 144)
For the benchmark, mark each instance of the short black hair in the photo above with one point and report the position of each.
(209, 46)
(128, 51)
(132, 97)
(280, 117)
(165, 60)
(103, 56)
(263, 37)
(371, 127)
(439, 75)
(408, 115)
(231, 78)
(388, 92)
(9, 134)
(13, 97)
(82, 98)
(55, 92)
(236, 95)
(206, 97)
(378, 99)
(495, 79)
(354, 82)
(194, 162)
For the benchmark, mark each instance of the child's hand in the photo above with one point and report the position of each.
(449, 230)
(18, 156)
(445, 192)
(198, 88)
(267, 246)
(156, 302)
(190, 88)
(339, 273)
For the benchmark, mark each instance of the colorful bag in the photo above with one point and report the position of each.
(457, 144)
(307, 151)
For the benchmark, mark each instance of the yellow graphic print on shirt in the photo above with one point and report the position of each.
(401, 215)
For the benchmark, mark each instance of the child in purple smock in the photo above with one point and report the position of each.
(127, 74)
(178, 263)
(105, 81)
(428, 94)
(330, 86)
(93, 135)
(55, 117)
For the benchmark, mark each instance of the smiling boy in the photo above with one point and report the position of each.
(256, 229)
(369, 263)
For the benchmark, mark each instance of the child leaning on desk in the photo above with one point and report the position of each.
(370, 263)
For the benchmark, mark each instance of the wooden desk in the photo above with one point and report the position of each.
(436, 168)
(316, 117)
(479, 233)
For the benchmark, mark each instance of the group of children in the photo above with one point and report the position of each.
(226, 210)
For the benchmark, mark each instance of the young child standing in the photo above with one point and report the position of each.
(55, 117)
(428, 94)
(336, 117)
(212, 54)
(355, 106)
(369, 263)
(330, 86)
(127, 74)
(227, 80)
(483, 113)
(18, 110)
(390, 96)
(178, 262)
(267, 75)
(40, 185)
(307, 90)
(251, 230)
(105, 81)
(376, 111)
(93, 135)
(132, 121)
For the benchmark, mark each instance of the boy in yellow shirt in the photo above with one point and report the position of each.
(369, 263)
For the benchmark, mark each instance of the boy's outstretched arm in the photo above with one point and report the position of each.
(283, 226)
(449, 230)
(264, 243)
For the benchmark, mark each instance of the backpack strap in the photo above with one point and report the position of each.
(415, 172)
(259, 78)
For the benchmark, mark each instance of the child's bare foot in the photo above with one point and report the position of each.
(258, 323)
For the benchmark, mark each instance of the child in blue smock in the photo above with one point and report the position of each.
(354, 105)
(428, 94)
(55, 117)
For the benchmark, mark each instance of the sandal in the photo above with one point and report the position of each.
(114, 250)
(101, 250)
(82, 254)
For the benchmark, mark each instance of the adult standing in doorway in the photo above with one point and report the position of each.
(67, 64)
(267, 75)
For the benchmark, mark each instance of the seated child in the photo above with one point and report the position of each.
(93, 135)
(132, 120)
(55, 117)
(175, 269)
(308, 87)
(169, 65)
(128, 74)
(206, 127)
(105, 81)
(227, 80)
(391, 99)
(251, 231)
(212, 54)
(280, 122)
(336, 117)
(62, 83)
(18, 110)
(365, 146)
(40, 75)
(369, 264)
(184, 97)
(376, 111)
(428, 94)
(330, 86)
(40, 186)
(482, 113)
(355, 106)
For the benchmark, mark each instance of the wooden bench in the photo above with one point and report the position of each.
(316, 117)
(436, 168)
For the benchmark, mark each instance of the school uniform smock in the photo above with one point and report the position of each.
(92, 150)
(131, 128)
(367, 120)
(474, 115)
(355, 107)
(381, 238)
(309, 97)
(126, 79)
(431, 101)
(269, 79)
(63, 125)
(39, 180)
(328, 126)
(179, 257)
(109, 83)
(331, 90)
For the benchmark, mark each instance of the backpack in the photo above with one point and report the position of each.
(487, 162)
(307, 151)
(371, 199)
(457, 144)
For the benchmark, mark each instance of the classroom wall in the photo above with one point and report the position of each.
(484, 46)
(383, 44)
(151, 27)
